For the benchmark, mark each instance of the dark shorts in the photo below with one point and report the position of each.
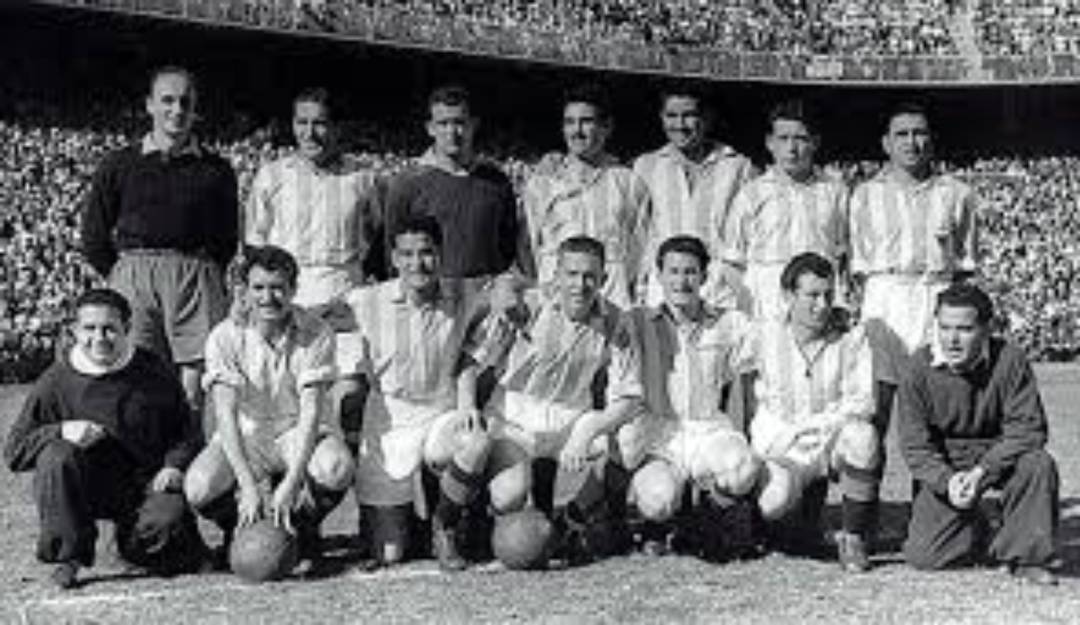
(175, 300)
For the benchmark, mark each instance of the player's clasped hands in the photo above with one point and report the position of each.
(964, 487)
(82, 433)
(168, 479)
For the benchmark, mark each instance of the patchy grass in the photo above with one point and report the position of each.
(775, 589)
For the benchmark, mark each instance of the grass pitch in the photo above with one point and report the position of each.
(775, 589)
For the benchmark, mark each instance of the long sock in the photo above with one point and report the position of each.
(859, 517)
(457, 487)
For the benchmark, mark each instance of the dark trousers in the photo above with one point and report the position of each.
(941, 536)
(74, 487)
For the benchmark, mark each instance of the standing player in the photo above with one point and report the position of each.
(320, 206)
(692, 182)
(587, 193)
(913, 232)
(543, 405)
(269, 370)
(108, 434)
(691, 353)
(160, 223)
(815, 408)
(971, 420)
(790, 209)
(421, 409)
(471, 198)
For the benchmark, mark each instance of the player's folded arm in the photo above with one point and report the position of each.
(1023, 425)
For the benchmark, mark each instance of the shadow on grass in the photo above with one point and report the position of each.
(1069, 538)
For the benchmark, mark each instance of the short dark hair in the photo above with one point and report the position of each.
(966, 295)
(802, 264)
(418, 224)
(450, 95)
(174, 70)
(907, 107)
(590, 93)
(107, 298)
(684, 91)
(317, 95)
(270, 258)
(583, 245)
(683, 244)
(794, 111)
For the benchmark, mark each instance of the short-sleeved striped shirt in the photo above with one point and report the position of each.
(775, 217)
(555, 359)
(687, 365)
(269, 376)
(322, 216)
(566, 198)
(411, 351)
(913, 229)
(819, 384)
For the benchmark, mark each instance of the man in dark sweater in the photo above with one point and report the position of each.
(471, 198)
(160, 222)
(108, 434)
(972, 420)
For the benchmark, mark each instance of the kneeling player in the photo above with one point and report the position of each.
(108, 433)
(543, 404)
(269, 370)
(691, 353)
(421, 409)
(815, 394)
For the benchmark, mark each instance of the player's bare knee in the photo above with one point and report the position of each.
(655, 499)
(472, 449)
(332, 469)
(509, 491)
(859, 445)
(736, 471)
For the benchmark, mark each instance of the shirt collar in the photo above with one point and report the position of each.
(428, 159)
(400, 296)
(777, 174)
(709, 313)
(716, 152)
(81, 363)
(888, 174)
(189, 147)
(939, 361)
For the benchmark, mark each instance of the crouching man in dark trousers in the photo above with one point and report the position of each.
(971, 421)
(108, 433)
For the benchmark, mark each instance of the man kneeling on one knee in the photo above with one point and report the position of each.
(971, 420)
(691, 353)
(552, 361)
(108, 433)
(269, 368)
(815, 404)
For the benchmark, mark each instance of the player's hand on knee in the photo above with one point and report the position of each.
(470, 421)
(168, 479)
(81, 433)
(575, 454)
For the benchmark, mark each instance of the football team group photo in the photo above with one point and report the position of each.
(787, 355)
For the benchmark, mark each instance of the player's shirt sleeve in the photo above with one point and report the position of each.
(736, 237)
(859, 234)
(259, 217)
(1023, 420)
(967, 241)
(918, 443)
(856, 400)
(37, 425)
(224, 357)
(315, 362)
(101, 209)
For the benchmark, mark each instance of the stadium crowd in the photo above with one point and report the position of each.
(1030, 224)
(578, 29)
(1028, 27)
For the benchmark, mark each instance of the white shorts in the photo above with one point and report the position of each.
(397, 436)
(689, 447)
(539, 428)
(898, 312)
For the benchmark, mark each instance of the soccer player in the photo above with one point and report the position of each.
(971, 421)
(913, 232)
(586, 192)
(815, 405)
(422, 406)
(108, 433)
(692, 182)
(543, 405)
(691, 354)
(320, 206)
(276, 450)
(790, 209)
(160, 222)
(470, 197)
